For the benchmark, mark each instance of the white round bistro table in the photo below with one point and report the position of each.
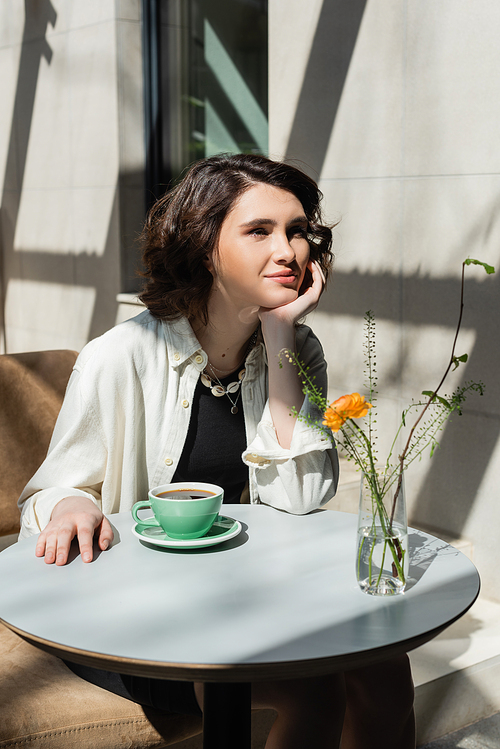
(280, 600)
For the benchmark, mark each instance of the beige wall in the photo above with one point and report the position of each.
(394, 105)
(71, 160)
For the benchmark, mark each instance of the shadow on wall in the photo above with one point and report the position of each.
(413, 300)
(109, 271)
(97, 271)
(34, 46)
(324, 79)
(466, 441)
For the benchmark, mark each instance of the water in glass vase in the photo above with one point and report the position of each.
(382, 560)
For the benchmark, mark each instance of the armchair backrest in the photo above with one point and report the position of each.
(32, 387)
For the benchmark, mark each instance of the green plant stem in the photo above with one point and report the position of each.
(378, 509)
(433, 396)
(367, 442)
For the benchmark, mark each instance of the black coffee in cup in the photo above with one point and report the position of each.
(186, 494)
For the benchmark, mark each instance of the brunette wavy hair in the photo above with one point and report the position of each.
(183, 227)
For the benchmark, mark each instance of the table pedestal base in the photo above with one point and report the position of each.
(226, 716)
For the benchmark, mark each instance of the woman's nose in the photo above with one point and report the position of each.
(283, 250)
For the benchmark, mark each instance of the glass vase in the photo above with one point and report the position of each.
(382, 544)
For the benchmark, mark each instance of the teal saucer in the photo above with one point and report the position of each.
(222, 530)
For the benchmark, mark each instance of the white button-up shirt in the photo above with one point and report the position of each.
(122, 426)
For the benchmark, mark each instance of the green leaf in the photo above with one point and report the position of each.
(488, 268)
(443, 401)
(458, 359)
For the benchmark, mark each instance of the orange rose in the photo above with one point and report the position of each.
(351, 406)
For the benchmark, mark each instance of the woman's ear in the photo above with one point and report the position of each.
(207, 262)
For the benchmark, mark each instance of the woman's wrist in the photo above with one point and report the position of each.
(285, 392)
(278, 334)
(76, 502)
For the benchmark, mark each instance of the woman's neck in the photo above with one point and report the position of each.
(225, 342)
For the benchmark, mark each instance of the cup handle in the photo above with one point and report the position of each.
(142, 505)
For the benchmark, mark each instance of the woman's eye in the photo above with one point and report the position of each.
(259, 232)
(298, 231)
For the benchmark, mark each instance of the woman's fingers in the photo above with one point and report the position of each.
(43, 548)
(308, 301)
(85, 533)
(319, 269)
(64, 537)
(40, 545)
(106, 534)
(318, 278)
(73, 516)
(54, 543)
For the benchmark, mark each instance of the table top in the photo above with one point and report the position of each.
(280, 600)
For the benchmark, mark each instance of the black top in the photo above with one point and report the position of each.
(215, 441)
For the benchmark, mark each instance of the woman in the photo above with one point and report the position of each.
(194, 388)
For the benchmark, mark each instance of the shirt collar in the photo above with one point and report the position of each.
(182, 344)
(181, 341)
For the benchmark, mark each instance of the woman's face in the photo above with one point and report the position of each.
(263, 251)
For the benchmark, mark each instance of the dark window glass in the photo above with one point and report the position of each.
(211, 61)
(227, 77)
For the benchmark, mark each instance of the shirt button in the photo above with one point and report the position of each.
(185, 404)
(168, 461)
(177, 356)
(198, 358)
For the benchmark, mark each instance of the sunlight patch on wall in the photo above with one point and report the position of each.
(48, 316)
(68, 222)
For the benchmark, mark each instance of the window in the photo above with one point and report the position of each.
(205, 81)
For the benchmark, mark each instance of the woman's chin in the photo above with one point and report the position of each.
(284, 297)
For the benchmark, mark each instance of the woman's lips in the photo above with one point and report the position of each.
(284, 278)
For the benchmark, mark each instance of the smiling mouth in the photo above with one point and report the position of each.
(282, 277)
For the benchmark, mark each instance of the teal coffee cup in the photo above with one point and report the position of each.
(183, 510)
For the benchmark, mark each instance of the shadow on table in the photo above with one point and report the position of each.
(74, 551)
(232, 543)
(422, 550)
(387, 626)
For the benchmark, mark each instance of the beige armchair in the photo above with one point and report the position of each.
(42, 703)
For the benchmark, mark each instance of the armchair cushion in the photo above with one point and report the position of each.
(43, 704)
(32, 387)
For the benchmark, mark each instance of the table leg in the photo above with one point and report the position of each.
(226, 716)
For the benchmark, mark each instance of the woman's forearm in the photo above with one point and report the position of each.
(285, 391)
